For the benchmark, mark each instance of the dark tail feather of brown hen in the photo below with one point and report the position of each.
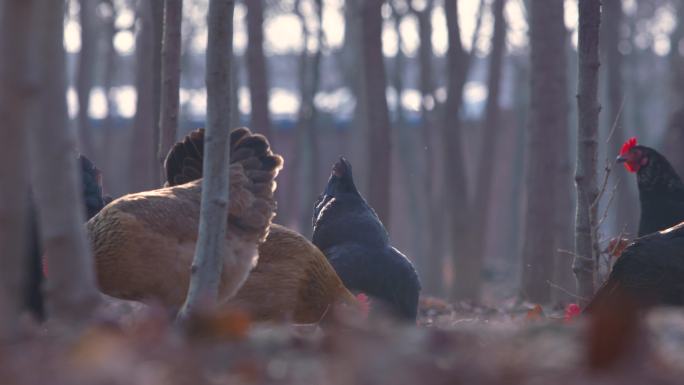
(184, 162)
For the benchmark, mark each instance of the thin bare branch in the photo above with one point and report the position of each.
(615, 122)
(608, 169)
(611, 197)
(566, 291)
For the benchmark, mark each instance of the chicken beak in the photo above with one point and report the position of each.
(620, 159)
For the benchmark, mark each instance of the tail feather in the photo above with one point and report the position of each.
(183, 163)
(253, 168)
(92, 186)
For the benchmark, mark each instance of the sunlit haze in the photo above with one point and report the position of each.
(283, 36)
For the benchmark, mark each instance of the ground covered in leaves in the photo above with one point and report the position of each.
(453, 344)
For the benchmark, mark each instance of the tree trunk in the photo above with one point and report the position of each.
(674, 137)
(469, 280)
(625, 215)
(17, 93)
(548, 118)
(144, 160)
(453, 158)
(208, 261)
(170, 72)
(587, 147)
(308, 156)
(235, 118)
(511, 246)
(565, 203)
(407, 149)
(351, 61)
(110, 57)
(434, 198)
(71, 290)
(454, 166)
(256, 68)
(158, 28)
(380, 135)
(86, 72)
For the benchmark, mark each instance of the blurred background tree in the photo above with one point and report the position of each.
(445, 162)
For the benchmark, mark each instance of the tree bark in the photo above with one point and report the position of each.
(454, 166)
(625, 215)
(158, 32)
(587, 147)
(257, 69)
(468, 278)
(674, 137)
(375, 84)
(548, 118)
(110, 57)
(307, 154)
(565, 203)
(235, 118)
(434, 199)
(512, 244)
(407, 148)
(17, 92)
(144, 162)
(170, 72)
(351, 62)
(71, 290)
(86, 72)
(208, 262)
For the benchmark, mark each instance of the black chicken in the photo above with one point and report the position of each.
(93, 200)
(649, 272)
(661, 191)
(356, 243)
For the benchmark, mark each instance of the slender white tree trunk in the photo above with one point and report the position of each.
(587, 147)
(170, 72)
(16, 93)
(71, 291)
(208, 262)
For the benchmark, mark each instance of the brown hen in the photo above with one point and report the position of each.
(291, 281)
(144, 243)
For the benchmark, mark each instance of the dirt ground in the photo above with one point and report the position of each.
(452, 344)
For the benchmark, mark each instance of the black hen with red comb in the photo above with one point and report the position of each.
(661, 191)
(356, 243)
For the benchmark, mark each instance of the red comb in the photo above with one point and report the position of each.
(364, 303)
(631, 142)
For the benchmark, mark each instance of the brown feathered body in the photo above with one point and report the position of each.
(144, 243)
(292, 281)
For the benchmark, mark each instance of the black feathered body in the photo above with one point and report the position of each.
(661, 194)
(356, 243)
(649, 272)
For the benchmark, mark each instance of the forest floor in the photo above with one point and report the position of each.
(511, 344)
